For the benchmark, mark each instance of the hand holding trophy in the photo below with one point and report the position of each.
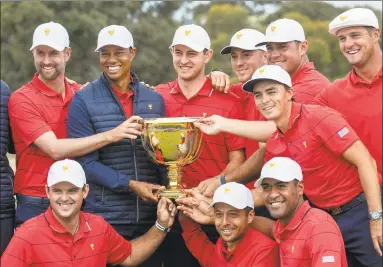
(174, 142)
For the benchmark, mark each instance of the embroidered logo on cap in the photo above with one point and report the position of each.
(65, 168)
(111, 32)
(239, 35)
(271, 165)
(343, 18)
(47, 31)
(273, 28)
(187, 32)
(227, 190)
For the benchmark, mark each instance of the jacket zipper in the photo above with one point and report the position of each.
(135, 162)
(102, 195)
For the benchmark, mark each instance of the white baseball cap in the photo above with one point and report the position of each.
(246, 39)
(66, 171)
(115, 35)
(233, 194)
(354, 17)
(284, 30)
(192, 36)
(281, 169)
(268, 72)
(51, 34)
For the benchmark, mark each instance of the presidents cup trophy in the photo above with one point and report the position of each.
(174, 142)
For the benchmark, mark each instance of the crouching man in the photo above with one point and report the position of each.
(65, 236)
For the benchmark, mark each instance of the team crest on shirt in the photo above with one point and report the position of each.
(343, 18)
(239, 35)
(47, 31)
(92, 246)
(111, 32)
(273, 28)
(204, 114)
(187, 32)
(150, 106)
(305, 144)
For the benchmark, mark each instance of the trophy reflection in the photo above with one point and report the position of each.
(174, 142)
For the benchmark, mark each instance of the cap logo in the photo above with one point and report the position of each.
(187, 32)
(47, 31)
(65, 168)
(227, 190)
(271, 165)
(111, 32)
(343, 18)
(150, 106)
(239, 35)
(261, 70)
(273, 28)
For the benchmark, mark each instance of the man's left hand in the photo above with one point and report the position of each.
(220, 81)
(376, 235)
(166, 212)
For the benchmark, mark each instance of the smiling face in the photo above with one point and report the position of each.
(287, 55)
(188, 63)
(272, 99)
(66, 200)
(245, 62)
(357, 44)
(231, 223)
(115, 62)
(50, 63)
(282, 199)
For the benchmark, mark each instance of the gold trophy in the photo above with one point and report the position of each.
(174, 142)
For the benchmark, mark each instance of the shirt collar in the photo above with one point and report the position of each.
(296, 220)
(302, 72)
(206, 89)
(42, 88)
(55, 225)
(355, 79)
(120, 94)
(242, 246)
(295, 113)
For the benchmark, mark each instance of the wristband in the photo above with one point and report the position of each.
(222, 179)
(161, 228)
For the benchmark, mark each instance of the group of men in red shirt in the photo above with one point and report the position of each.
(331, 148)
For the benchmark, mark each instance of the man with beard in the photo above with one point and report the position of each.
(38, 113)
(65, 236)
(123, 180)
(239, 244)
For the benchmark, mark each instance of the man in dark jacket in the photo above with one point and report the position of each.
(122, 178)
(7, 202)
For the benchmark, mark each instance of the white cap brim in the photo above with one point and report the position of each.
(249, 85)
(347, 25)
(57, 47)
(235, 205)
(227, 49)
(111, 43)
(195, 47)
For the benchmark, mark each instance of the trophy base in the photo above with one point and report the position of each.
(171, 194)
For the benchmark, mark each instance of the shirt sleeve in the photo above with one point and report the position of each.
(25, 119)
(321, 98)
(235, 142)
(237, 90)
(18, 252)
(119, 248)
(198, 243)
(267, 256)
(335, 132)
(322, 252)
(79, 125)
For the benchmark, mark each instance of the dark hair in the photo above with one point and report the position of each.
(205, 51)
(370, 30)
(248, 210)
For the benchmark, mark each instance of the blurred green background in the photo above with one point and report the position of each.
(153, 24)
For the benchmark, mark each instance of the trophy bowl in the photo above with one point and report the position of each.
(174, 142)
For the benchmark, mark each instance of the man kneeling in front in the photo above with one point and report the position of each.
(239, 244)
(65, 236)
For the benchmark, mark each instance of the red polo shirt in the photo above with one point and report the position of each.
(311, 238)
(42, 241)
(254, 250)
(360, 102)
(307, 83)
(35, 109)
(126, 101)
(206, 102)
(316, 138)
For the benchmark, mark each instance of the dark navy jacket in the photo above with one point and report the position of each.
(7, 203)
(95, 109)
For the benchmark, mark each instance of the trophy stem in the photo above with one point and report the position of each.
(173, 190)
